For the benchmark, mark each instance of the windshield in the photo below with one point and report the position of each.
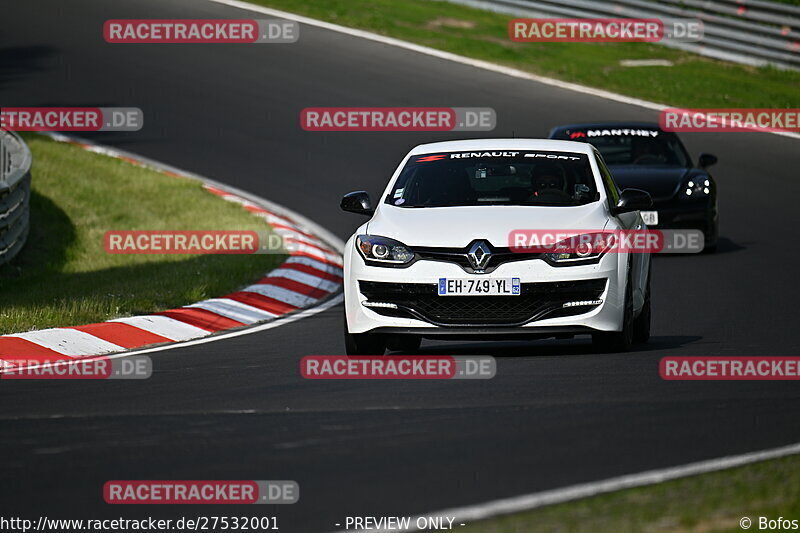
(635, 146)
(495, 178)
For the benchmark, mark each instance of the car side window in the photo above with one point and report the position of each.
(608, 181)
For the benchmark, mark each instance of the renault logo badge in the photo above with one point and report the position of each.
(479, 255)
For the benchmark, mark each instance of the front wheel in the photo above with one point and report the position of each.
(711, 237)
(641, 326)
(363, 343)
(618, 341)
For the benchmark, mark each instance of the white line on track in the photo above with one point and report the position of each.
(527, 502)
(485, 65)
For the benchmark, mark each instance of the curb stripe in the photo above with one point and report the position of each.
(234, 310)
(259, 301)
(312, 271)
(295, 286)
(315, 262)
(277, 226)
(304, 278)
(172, 329)
(70, 342)
(319, 256)
(300, 267)
(283, 295)
(303, 242)
(122, 334)
(201, 318)
(16, 347)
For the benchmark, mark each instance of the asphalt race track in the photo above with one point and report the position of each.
(555, 415)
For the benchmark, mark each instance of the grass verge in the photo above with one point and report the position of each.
(708, 503)
(693, 81)
(64, 277)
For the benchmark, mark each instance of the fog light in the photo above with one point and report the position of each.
(385, 305)
(582, 303)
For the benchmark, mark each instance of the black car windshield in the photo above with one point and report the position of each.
(631, 146)
(495, 178)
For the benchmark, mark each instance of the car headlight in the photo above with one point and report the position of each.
(383, 251)
(580, 249)
(698, 187)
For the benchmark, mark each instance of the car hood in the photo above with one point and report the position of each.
(660, 182)
(456, 227)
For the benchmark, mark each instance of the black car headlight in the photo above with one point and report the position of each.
(697, 187)
(582, 249)
(383, 251)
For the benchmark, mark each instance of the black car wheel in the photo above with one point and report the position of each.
(641, 325)
(618, 341)
(363, 343)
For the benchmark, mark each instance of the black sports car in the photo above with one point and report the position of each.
(642, 156)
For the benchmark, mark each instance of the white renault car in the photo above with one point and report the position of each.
(434, 260)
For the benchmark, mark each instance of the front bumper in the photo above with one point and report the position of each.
(677, 214)
(538, 310)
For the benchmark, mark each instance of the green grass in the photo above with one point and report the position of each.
(63, 276)
(707, 503)
(694, 81)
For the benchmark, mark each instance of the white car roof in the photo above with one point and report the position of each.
(503, 144)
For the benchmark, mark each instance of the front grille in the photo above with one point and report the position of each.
(459, 257)
(535, 302)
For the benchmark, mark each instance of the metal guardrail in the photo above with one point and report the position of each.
(15, 194)
(752, 32)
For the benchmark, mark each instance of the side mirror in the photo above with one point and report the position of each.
(357, 202)
(706, 160)
(632, 200)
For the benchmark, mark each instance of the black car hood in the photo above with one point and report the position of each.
(660, 182)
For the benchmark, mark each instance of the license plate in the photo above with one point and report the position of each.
(479, 287)
(650, 217)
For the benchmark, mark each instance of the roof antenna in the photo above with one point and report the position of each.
(512, 134)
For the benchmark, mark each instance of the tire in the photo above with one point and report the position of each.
(641, 325)
(618, 341)
(404, 343)
(711, 238)
(363, 343)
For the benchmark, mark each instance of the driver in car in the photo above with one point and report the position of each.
(548, 183)
(647, 152)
